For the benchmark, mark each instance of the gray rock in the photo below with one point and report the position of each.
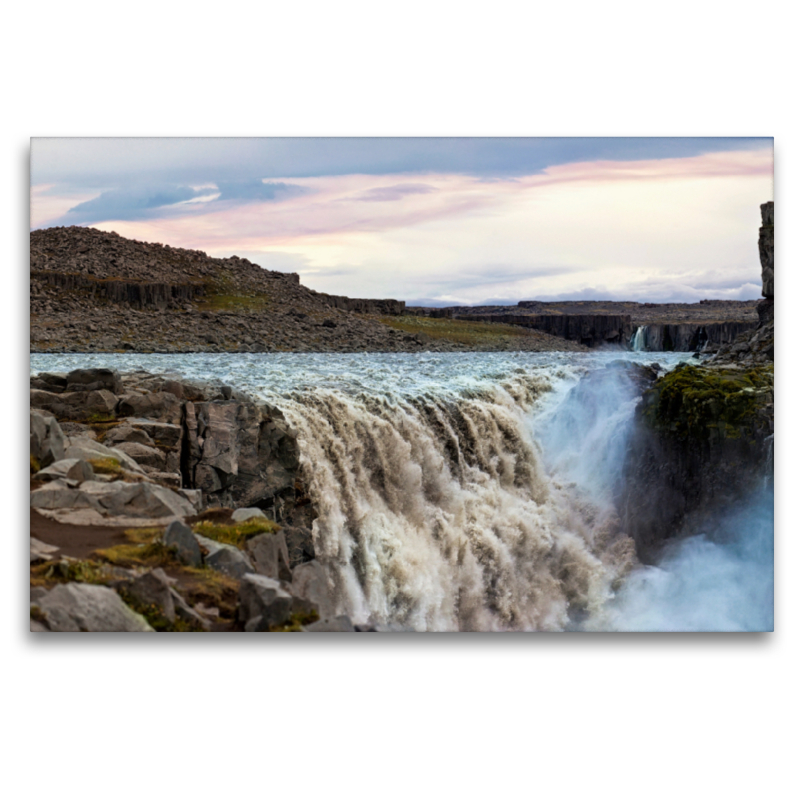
(194, 497)
(37, 593)
(57, 494)
(269, 555)
(75, 405)
(127, 433)
(300, 545)
(153, 588)
(84, 607)
(262, 602)
(179, 535)
(47, 439)
(224, 557)
(310, 582)
(88, 449)
(243, 514)
(41, 552)
(95, 378)
(70, 469)
(164, 434)
(185, 612)
(49, 381)
(161, 406)
(340, 624)
(143, 455)
(144, 500)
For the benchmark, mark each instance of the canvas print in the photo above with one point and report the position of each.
(401, 385)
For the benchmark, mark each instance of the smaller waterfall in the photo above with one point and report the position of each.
(639, 339)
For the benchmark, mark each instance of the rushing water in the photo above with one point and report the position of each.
(639, 339)
(473, 492)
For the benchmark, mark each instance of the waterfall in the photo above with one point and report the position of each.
(639, 339)
(445, 513)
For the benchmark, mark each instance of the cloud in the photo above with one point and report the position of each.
(188, 161)
(154, 201)
(382, 194)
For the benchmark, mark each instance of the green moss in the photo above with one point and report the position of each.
(38, 614)
(101, 418)
(69, 571)
(236, 534)
(106, 466)
(35, 465)
(154, 615)
(692, 401)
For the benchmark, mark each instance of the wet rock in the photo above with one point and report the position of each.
(74, 607)
(179, 535)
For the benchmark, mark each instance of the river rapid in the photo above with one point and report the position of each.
(475, 491)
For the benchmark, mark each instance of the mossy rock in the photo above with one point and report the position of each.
(710, 402)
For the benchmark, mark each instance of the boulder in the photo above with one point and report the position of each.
(84, 607)
(127, 433)
(153, 588)
(89, 449)
(161, 406)
(270, 556)
(58, 495)
(41, 551)
(50, 381)
(70, 469)
(179, 535)
(243, 514)
(76, 405)
(94, 379)
(47, 439)
(143, 455)
(310, 582)
(224, 557)
(262, 602)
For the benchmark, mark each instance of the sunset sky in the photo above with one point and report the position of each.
(434, 221)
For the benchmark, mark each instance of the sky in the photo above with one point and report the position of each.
(446, 221)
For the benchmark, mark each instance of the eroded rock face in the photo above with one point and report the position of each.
(242, 454)
(766, 249)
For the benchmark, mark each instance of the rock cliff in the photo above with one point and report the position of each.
(703, 435)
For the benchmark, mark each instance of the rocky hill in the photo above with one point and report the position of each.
(93, 291)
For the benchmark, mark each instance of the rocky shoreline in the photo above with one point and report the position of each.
(168, 505)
